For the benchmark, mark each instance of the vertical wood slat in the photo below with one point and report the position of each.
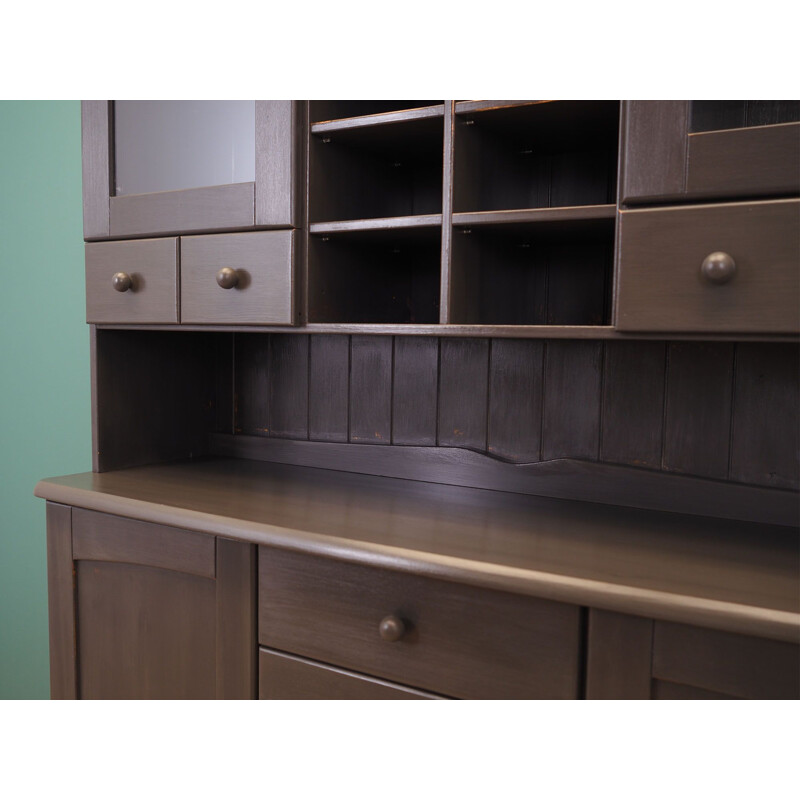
(251, 383)
(447, 212)
(654, 149)
(371, 389)
(620, 656)
(633, 403)
(515, 399)
(414, 391)
(288, 400)
(236, 673)
(571, 408)
(328, 393)
(96, 130)
(61, 604)
(698, 415)
(765, 444)
(223, 377)
(463, 390)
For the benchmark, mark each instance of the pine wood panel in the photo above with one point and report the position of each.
(328, 391)
(463, 390)
(414, 391)
(288, 403)
(371, 390)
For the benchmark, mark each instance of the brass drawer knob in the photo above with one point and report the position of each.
(227, 278)
(718, 267)
(122, 281)
(391, 628)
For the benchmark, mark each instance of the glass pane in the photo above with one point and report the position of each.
(162, 145)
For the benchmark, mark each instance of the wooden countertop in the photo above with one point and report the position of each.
(736, 576)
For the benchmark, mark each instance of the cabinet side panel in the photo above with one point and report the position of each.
(654, 150)
(236, 620)
(279, 125)
(95, 141)
(61, 603)
(619, 657)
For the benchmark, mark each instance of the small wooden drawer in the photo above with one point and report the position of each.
(259, 265)
(661, 285)
(150, 293)
(456, 640)
(723, 663)
(285, 677)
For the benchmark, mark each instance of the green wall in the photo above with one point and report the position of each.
(44, 365)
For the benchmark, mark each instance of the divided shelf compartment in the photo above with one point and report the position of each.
(534, 188)
(717, 115)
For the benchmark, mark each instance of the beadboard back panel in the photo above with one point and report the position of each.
(721, 410)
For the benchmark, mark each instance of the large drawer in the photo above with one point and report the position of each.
(150, 293)
(661, 286)
(458, 640)
(284, 677)
(259, 265)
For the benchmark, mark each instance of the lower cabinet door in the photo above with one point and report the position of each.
(286, 677)
(144, 611)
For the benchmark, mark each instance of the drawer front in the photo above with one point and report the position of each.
(458, 640)
(284, 677)
(726, 663)
(263, 293)
(152, 266)
(661, 287)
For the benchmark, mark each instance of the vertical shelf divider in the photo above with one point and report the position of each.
(447, 211)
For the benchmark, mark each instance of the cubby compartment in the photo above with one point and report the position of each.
(324, 110)
(375, 276)
(376, 171)
(533, 274)
(539, 155)
(717, 115)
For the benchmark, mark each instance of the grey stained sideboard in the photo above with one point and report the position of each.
(436, 399)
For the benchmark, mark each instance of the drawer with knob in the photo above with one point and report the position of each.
(238, 279)
(134, 281)
(441, 637)
(727, 268)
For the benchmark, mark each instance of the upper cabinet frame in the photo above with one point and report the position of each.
(665, 161)
(274, 200)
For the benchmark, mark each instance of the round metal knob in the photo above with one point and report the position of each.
(227, 278)
(391, 628)
(122, 281)
(718, 267)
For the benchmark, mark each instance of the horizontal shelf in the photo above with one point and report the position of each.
(493, 331)
(380, 224)
(562, 219)
(335, 110)
(473, 106)
(374, 120)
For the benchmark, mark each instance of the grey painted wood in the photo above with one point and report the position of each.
(571, 422)
(633, 403)
(280, 145)
(654, 149)
(473, 106)
(210, 208)
(660, 287)
(609, 557)
(667, 690)
(252, 384)
(766, 416)
(61, 604)
(379, 224)
(97, 167)
(462, 642)
(286, 677)
(515, 399)
(698, 408)
(741, 666)
(224, 355)
(288, 403)
(329, 388)
(751, 162)
(537, 215)
(371, 389)
(415, 391)
(153, 267)
(236, 670)
(565, 478)
(264, 264)
(620, 652)
(104, 537)
(448, 179)
(372, 120)
(463, 392)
